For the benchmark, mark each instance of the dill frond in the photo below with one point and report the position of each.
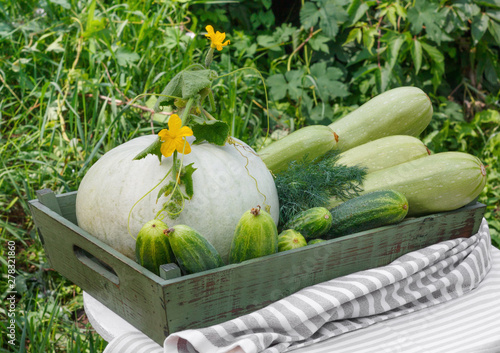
(306, 184)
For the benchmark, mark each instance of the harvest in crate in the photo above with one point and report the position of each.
(195, 196)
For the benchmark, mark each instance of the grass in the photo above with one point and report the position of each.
(76, 80)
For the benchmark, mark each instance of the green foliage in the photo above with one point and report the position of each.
(307, 184)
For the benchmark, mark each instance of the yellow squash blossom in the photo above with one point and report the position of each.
(216, 38)
(174, 138)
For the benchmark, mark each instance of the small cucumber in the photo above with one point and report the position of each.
(193, 252)
(312, 141)
(384, 152)
(311, 223)
(315, 241)
(368, 211)
(256, 235)
(399, 111)
(290, 239)
(152, 248)
(436, 183)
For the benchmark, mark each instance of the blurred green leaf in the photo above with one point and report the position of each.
(416, 54)
(479, 27)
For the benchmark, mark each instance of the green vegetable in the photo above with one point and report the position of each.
(193, 252)
(368, 211)
(290, 239)
(307, 143)
(307, 184)
(256, 235)
(384, 152)
(311, 223)
(152, 248)
(315, 241)
(440, 182)
(400, 111)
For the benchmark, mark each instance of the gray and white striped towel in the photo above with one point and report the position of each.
(415, 281)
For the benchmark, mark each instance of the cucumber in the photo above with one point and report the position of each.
(152, 248)
(192, 251)
(368, 211)
(315, 241)
(437, 183)
(290, 239)
(255, 235)
(384, 152)
(311, 223)
(400, 111)
(311, 141)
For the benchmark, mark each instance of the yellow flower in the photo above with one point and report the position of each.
(174, 138)
(216, 38)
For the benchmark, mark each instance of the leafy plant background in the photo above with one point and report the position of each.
(78, 78)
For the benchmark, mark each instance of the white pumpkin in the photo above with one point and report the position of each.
(223, 191)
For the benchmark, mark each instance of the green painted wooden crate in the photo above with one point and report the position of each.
(158, 306)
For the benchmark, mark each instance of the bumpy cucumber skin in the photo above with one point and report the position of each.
(193, 252)
(255, 235)
(384, 152)
(311, 223)
(152, 248)
(313, 141)
(400, 111)
(368, 211)
(315, 241)
(290, 239)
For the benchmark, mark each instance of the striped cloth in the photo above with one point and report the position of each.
(327, 317)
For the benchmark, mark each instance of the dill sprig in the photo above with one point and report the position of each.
(306, 184)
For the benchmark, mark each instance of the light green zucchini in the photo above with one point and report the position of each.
(400, 111)
(311, 141)
(436, 183)
(384, 152)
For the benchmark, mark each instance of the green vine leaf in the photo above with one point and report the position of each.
(212, 131)
(154, 148)
(329, 14)
(291, 83)
(186, 177)
(186, 84)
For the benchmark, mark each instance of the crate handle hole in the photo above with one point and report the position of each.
(97, 265)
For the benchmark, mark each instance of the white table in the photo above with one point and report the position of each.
(469, 324)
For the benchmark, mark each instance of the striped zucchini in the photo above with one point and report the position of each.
(440, 182)
(193, 252)
(372, 210)
(400, 111)
(152, 248)
(311, 141)
(384, 152)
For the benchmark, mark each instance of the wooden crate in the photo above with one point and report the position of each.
(160, 306)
